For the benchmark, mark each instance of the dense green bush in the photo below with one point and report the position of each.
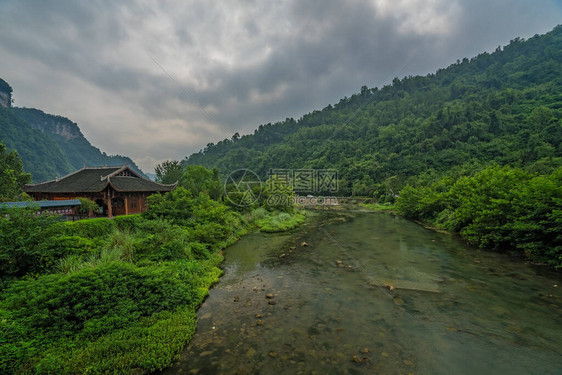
(162, 241)
(91, 302)
(498, 208)
(208, 220)
(129, 223)
(90, 228)
(21, 235)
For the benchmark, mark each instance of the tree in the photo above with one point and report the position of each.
(12, 176)
(278, 195)
(168, 172)
(87, 206)
(198, 179)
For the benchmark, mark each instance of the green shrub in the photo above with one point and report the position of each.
(499, 208)
(90, 228)
(162, 241)
(280, 222)
(54, 248)
(21, 236)
(128, 223)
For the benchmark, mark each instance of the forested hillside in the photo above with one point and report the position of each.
(500, 108)
(49, 145)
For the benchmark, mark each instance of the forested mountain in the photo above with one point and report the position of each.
(500, 108)
(49, 145)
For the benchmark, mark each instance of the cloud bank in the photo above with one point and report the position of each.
(160, 80)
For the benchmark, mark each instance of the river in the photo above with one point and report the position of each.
(373, 293)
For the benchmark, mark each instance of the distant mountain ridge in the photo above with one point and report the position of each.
(50, 146)
(503, 107)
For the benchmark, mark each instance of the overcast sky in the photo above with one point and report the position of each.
(157, 80)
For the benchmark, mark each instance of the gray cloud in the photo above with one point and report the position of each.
(159, 80)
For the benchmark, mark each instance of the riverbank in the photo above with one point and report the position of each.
(318, 300)
(112, 296)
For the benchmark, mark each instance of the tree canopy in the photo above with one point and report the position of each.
(500, 108)
(12, 176)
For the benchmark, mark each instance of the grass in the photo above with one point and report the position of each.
(148, 345)
(117, 305)
(280, 222)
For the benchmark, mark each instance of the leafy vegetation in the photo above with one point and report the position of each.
(503, 107)
(169, 172)
(115, 296)
(500, 208)
(12, 176)
(279, 221)
(474, 148)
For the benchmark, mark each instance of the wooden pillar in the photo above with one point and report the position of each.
(126, 204)
(109, 209)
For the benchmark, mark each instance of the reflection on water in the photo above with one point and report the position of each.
(375, 294)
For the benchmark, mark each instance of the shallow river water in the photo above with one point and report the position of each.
(373, 293)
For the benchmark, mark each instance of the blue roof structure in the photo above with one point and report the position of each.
(41, 204)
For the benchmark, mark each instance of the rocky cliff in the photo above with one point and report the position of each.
(5, 94)
(52, 124)
(50, 146)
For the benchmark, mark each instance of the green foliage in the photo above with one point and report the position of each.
(209, 220)
(162, 241)
(199, 179)
(278, 195)
(111, 296)
(12, 176)
(503, 108)
(128, 223)
(498, 208)
(22, 233)
(93, 302)
(169, 172)
(87, 206)
(89, 228)
(280, 222)
(380, 207)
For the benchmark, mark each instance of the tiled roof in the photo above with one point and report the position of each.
(41, 204)
(122, 183)
(96, 179)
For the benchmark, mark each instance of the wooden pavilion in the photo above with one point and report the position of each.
(117, 190)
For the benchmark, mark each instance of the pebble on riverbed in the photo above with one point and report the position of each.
(304, 244)
(360, 360)
(269, 295)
